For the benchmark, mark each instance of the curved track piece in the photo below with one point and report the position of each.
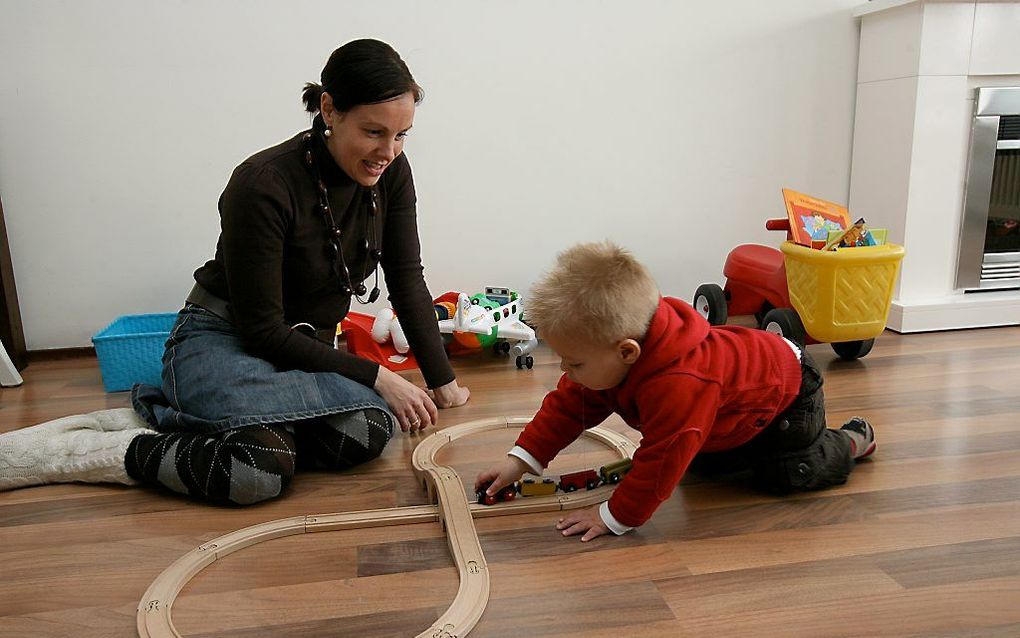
(453, 509)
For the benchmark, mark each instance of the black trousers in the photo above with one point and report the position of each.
(796, 451)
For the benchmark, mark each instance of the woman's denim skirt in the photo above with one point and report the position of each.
(210, 384)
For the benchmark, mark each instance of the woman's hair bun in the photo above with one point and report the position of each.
(311, 96)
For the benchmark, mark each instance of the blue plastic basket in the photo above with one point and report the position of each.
(130, 350)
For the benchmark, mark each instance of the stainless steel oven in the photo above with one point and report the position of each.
(990, 234)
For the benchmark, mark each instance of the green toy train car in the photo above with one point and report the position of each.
(611, 473)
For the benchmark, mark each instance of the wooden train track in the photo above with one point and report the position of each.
(451, 507)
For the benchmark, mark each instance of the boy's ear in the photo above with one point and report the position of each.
(629, 350)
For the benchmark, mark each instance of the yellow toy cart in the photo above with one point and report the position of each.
(840, 297)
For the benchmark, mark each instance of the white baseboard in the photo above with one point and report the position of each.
(972, 310)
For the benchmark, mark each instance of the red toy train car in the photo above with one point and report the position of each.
(577, 480)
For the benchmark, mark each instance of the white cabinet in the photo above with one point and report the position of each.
(919, 63)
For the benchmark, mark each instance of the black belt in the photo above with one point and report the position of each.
(199, 296)
(202, 297)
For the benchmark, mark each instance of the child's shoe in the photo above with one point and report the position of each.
(862, 437)
(84, 447)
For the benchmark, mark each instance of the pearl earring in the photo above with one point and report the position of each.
(327, 132)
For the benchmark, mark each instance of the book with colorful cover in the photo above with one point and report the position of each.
(812, 219)
(860, 234)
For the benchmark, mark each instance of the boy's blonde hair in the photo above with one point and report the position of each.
(597, 291)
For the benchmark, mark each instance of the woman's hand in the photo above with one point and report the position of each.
(450, 395)
(587, 520)
(412, 406)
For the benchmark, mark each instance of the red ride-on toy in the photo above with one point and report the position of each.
(809, 296)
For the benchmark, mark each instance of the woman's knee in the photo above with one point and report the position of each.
(261, 463)
(344, 440)
(364, 433)
(380, 430)
(250, 485)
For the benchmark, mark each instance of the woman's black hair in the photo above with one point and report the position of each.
(361, 72)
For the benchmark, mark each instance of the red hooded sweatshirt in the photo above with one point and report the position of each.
(695, 388)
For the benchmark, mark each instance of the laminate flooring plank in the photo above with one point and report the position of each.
(958, 443)
(400, 557)
(406, 622)
(112, 620)
(955, 563)
(916, 612)
(83, 575)
(617, 607)
(1001, 631)
(777, 515)
(926, 497)
(295, 559)
(889, 532)
(583, 569)
(759, 589)
(252, 609)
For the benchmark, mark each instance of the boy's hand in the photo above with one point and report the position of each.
(502, 474)
(586, 520)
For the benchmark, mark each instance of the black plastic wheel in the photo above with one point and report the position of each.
(765, 307)
(529, 362)
(520, 362)
(850, 350)
(710, 302)
(785, 322)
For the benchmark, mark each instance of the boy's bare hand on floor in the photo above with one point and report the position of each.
(586, 520)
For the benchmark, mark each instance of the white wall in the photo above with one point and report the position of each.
(668, 126)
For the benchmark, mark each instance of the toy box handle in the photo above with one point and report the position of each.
(779, 224)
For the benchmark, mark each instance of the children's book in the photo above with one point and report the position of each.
(857, 235)
(811, 219)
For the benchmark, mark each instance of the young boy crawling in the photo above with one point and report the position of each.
(710, 398)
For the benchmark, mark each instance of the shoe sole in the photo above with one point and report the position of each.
(868, 452)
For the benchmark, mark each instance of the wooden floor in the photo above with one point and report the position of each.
(924, 540)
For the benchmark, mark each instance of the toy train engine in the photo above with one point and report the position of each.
(611, 473)
(576, 480)
(508, 493)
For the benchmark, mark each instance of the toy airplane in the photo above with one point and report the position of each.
(492, 318)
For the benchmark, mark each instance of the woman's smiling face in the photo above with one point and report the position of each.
(367, 138)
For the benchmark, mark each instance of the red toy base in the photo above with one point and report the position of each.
(357, 330)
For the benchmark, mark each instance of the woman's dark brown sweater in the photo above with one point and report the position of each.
(274, 263)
